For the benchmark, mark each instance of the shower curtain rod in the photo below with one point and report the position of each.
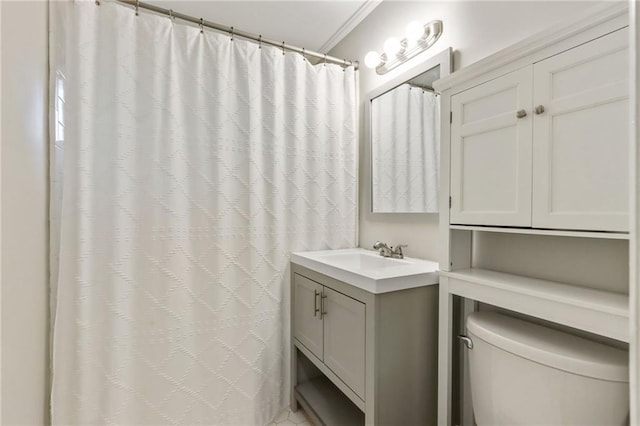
(425, 88)
(234, 32)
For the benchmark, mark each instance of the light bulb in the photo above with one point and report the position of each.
(392, 47)
(372, 59)
(414, 31)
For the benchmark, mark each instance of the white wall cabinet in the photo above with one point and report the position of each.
(491, 152)
(535, 140)
(546, 146)
(580, 140)
(363, 358)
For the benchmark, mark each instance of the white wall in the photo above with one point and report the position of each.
(474, 29)
(24, 161)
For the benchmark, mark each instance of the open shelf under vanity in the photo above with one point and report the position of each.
(325, 403)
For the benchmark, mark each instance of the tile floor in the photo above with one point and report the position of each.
(289, 418)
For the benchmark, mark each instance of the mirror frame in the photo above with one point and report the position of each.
(444, 59)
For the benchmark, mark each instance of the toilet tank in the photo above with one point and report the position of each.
(526, 374)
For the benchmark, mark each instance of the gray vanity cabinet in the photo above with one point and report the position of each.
(360, 357)
(331, 326)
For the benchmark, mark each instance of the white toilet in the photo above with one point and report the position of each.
(526, 374)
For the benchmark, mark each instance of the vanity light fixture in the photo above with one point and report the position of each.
(418, 38)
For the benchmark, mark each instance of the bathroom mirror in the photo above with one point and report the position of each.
(403, 127)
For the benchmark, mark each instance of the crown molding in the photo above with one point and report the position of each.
(365, 9)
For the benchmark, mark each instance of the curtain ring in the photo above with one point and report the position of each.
(137, 7)
(303, 57)
(325, 59)
(231, 33)
(97, 2)
(201, 26)
(283, 48)
(171, 15)
(260, 41)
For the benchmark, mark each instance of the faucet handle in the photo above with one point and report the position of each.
(398, 250)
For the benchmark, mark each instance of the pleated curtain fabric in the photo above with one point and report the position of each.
(405, 150)
(190, 167)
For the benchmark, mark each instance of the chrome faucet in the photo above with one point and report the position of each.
(386, 251)
(383, 248)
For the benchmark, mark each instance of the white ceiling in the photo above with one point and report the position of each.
(313, 24)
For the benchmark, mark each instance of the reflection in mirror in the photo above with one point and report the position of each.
(405, 149)
(403, 130)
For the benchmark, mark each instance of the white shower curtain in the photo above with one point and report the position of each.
(190, 167)
(405, 150)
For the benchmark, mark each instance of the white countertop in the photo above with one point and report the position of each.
(368, 270)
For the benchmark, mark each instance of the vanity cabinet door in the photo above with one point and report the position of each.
(306, 311)
(581, 138)
(491, 134)
(344, 332)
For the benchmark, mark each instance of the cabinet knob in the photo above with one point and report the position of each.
(521, 113)
(539, 109)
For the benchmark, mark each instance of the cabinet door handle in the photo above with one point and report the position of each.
(521, 113)
(323, 313)
(539, 109)
(316, 293)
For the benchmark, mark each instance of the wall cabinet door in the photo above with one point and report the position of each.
(491, 152)
(344, 333)
(308, 328)
(581, 139)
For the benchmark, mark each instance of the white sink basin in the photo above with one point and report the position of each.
(368, 270)
(360, 261)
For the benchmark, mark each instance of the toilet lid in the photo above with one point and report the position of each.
(550, 347)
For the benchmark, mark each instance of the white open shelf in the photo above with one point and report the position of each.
(596, 311)
(551, 232)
